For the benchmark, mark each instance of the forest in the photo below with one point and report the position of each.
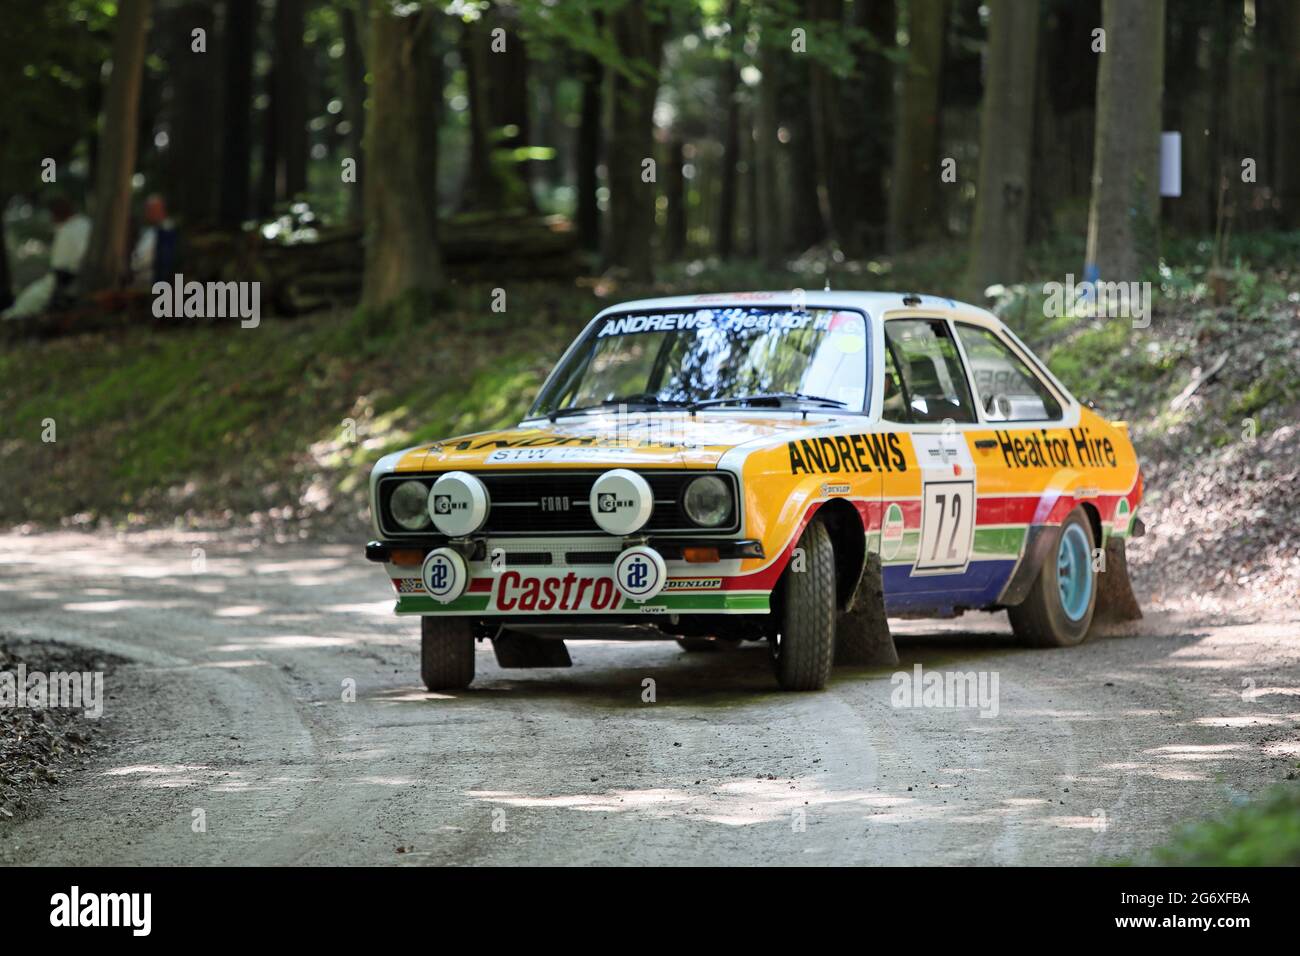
(405, 147)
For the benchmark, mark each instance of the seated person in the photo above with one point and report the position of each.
(57, 288)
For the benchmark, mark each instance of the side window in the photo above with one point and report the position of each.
(1008, 391)
(929, 373)
(895, 405)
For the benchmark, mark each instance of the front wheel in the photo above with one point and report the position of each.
(803, 646)
(446, 652)
(1058, 610)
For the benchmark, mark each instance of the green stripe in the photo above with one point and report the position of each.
(989, 542)
(422, 603)
(704, 601)
(999, 540)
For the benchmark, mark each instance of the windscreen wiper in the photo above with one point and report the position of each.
(641, 398)
(774, 398)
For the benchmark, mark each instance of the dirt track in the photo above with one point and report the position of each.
(234, 707)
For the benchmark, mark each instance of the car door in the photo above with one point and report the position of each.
(927, 394)
(1017, 448)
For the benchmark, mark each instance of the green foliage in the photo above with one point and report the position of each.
(1265, 832)
(52, 55)
(217, 418)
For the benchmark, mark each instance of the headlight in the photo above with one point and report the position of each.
(409, 505)
(707, 501)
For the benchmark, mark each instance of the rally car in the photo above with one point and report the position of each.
(782, 467)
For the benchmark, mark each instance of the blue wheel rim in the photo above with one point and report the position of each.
(1074, 572)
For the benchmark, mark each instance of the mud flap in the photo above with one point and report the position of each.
(1115, 598)
(521, 650)
(862, 637)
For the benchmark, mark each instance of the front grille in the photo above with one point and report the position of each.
(590, 557)
(528, 558)
(551, 503)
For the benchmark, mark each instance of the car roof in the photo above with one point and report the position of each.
(875, 304)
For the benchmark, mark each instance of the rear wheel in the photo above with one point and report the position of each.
(803, 646)
(446, 652)
(1058, 610)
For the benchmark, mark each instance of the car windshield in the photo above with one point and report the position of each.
(746, 356)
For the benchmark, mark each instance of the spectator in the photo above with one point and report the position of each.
(57, 288)
(154, 256)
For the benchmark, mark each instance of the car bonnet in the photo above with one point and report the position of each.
(650, 440)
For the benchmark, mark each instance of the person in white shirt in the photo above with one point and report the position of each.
(55, 288)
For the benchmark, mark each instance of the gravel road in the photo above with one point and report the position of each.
(230, 739)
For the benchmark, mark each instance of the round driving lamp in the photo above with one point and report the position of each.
(458, 504)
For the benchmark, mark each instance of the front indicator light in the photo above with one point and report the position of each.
(700, 555)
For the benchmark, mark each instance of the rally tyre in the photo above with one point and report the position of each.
(1059, 608)
(446, 652)
(804, 646)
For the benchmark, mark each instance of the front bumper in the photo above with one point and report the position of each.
(570, 577)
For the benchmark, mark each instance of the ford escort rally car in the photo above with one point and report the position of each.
(783, 467)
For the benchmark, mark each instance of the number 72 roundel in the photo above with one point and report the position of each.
(947, 527)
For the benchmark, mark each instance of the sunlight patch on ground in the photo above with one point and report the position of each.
(101, 607)
(234, 665)
(409, 695)
(1283, 748)
(239, 610)
(1253, 720)
(1073, 823)
(384, 608)
(745, 803)
(279, 642)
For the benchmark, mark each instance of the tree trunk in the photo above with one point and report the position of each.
(284, 163)
(6, 277)
(1006, 145)
(749, 185)
(731, 136)
(767, 224)
(1123, 219)
(915, 212)
(802, 212)
(588, 158)
(239, 38)
(498, 116)
(426, 63)
(675, 194)
(1187, 110)
(509, 101)
(630, 142)
(105, 261)
(401, 244)
(1222, 161)
(852, 118)
(192, 153)
(1288, 108)
(354, 92)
